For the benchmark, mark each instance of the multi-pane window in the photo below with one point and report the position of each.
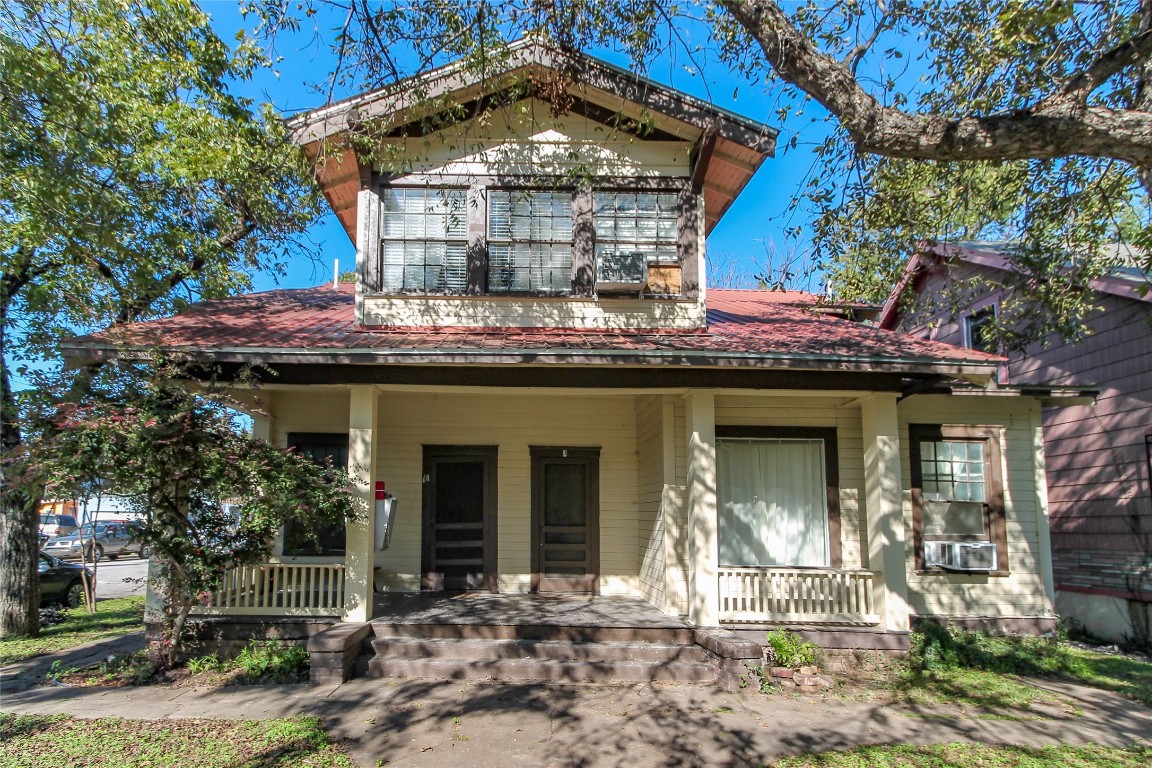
(958, 498)
(633, 229)
(773, 502)
(953, 487)
(529, 241)
(424, 246)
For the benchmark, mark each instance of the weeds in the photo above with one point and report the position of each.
(789, 650)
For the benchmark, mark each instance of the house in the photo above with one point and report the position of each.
(532, 367)
(1098, 454)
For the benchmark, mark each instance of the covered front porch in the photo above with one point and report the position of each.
(654, 530)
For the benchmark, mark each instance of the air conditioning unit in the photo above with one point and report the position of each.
(622, 270)
(960, 555)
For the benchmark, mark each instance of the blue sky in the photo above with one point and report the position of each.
(758, 217)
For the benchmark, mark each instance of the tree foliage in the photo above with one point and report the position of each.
(1025, 121)
(133, 180)
(210, 497)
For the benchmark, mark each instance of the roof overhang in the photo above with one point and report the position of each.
(728, 148)
(1049, 397)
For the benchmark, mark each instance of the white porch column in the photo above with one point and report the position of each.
(1043, 530)
(703, 545)
(360, 556)
(885, 508)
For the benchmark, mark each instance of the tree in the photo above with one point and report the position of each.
(209, 496)
(1021, 120)
(133, 181)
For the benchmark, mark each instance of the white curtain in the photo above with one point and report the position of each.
(773, 502)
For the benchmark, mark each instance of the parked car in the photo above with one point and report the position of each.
(53, 525)
(98, 540)
(61, 582)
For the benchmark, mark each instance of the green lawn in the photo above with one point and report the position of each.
(58, 740)
(973, 756)
(116, 616)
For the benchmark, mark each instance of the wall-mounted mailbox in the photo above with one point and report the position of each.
(385, 516)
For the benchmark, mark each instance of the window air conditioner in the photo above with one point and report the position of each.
(623, 268)
(960, 555)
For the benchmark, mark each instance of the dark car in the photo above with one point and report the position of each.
(96, 541)
(61, 582)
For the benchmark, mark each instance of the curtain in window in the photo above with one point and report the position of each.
(773, 503)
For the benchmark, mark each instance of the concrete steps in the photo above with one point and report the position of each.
(537, 653)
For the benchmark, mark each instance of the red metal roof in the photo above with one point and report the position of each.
(741, 323)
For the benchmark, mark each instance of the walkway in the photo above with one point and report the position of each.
(490, 725)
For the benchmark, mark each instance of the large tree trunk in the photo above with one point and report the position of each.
(19, 533)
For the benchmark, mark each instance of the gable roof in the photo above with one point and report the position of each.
(729, 148)
(748, 329)
(996, 256)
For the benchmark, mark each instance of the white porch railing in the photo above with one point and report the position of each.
(279, 589)
(796, 595)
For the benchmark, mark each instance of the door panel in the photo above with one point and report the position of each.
(459, 551)
(565, 519)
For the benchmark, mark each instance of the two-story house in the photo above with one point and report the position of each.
(532, 364)
(1098, 454)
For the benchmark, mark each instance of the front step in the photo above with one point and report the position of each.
(539, 653)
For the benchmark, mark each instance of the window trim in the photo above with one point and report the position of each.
(831, 475)
(995, 513)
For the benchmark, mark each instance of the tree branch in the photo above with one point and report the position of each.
(1048, 129)
(1126, 54)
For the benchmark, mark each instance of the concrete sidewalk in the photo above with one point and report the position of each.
(432, 722)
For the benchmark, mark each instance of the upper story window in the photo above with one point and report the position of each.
(529, 241)
(978, 330)
(632, 230)
(526, 241)
(424, 243)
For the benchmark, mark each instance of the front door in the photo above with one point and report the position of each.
(565, 519)
(459, 551)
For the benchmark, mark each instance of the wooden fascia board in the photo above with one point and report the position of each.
(453, 80)
(546, 358)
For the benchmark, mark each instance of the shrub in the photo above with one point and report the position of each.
(268, 662)
(789, 650)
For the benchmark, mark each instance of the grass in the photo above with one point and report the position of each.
(117, 616)
(973, 756)
(59, 740)
(985, 665)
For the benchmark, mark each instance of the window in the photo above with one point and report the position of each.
(632, 230)
(326, 449)
(529, 241)
(424, 247)
(957, 491)
(978, 330)
(777, 497)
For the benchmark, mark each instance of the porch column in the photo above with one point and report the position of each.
(1043, 532)
(885, 508)
(360, 557)
(703, 546)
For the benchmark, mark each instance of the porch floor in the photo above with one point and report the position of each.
(492, 609)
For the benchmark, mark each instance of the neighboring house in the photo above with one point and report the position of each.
(1098, 455)
(532, 364)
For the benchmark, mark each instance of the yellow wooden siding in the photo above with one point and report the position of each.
(1021, 593)
(650, 489)
(835, 412)
(529, 312)
(514, 421)
(523, 139)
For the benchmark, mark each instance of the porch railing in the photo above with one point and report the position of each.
(795, 595)
(279, 589)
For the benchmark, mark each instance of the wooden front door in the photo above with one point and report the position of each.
(459, 551)
(565, 519)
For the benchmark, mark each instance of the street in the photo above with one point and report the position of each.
(121, 578)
